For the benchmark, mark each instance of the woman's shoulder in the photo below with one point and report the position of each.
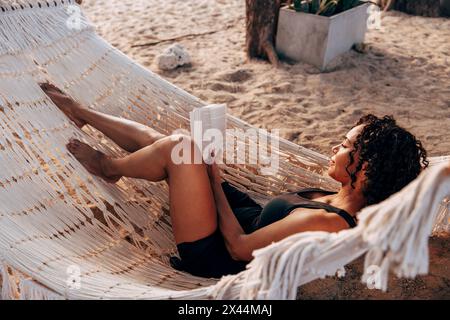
(313, 193)
(318, 219)
(311, 189)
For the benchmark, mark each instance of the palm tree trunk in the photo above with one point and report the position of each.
(261, 23)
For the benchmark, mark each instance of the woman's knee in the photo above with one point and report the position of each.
(181, 149)
(148, 136)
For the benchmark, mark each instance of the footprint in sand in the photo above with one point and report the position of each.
(237, 76)
(224, 98)
(231, 88)
(294, 135)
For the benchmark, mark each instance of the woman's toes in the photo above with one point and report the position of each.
(90, 158)
(79, 123)
(48, 87)
(65, 103)
(71, 147)
(55, 88)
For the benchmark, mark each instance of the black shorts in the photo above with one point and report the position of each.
(209, 257)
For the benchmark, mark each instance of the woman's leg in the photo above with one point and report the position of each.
(192, 206)
(129, 135)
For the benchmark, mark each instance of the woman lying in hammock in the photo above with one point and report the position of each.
(217, 227)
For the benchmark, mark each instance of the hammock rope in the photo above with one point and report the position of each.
(65, 234)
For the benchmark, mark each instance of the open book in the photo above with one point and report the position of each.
(208, 129)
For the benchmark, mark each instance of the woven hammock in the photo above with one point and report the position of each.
(65, 234)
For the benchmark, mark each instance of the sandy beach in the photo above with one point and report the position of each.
(404, 73)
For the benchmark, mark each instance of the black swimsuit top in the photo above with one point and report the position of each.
(282, 205)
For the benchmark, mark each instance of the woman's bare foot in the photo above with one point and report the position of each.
(71, 108)
(93, 160)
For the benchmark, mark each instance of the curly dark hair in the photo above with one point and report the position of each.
(394, 157)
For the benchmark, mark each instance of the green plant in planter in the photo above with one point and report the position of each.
(324, 7)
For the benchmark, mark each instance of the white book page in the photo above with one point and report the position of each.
(208, 129)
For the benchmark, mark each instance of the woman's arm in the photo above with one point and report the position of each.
(241, 245)
(317, 220)
(228, 223)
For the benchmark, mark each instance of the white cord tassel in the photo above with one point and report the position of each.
(9, 284)
(278, 269)
(398, 235)
(442, 224)
(30, 290)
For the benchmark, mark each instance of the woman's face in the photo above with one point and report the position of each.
(341, 157)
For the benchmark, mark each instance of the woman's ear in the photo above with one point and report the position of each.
(364, 166)
(362, 172)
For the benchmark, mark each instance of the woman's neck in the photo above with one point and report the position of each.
(349, 199)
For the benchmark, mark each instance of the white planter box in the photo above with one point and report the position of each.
(318, 39)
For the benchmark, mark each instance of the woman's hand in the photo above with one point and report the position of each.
(214, 171)
(214, 174)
